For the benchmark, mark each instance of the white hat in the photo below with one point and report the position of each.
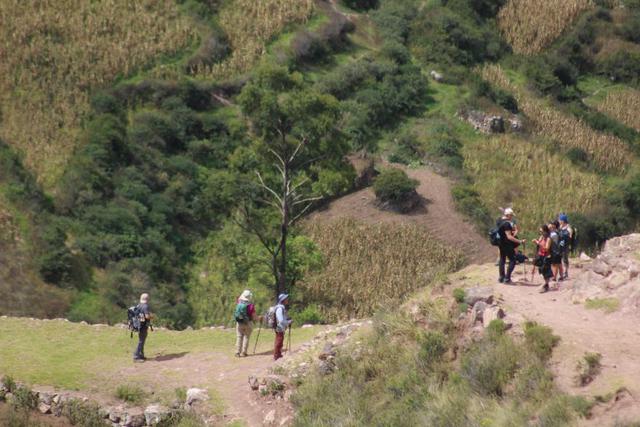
(144, 298)
(246, 295)
(508, 211)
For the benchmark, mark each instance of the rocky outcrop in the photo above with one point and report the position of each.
(491, 123)
(614, 273)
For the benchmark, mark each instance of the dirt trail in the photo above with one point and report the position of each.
(438, 215)
(615, 336)
(222, 373)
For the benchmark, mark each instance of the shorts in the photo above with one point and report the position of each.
(556, 259)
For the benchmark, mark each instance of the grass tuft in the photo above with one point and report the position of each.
(130, 393)
(608, 305)
(587, 368)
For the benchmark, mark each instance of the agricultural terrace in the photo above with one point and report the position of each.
(623, 105)
(609, 153)
(492, 162)
(53, 53)
(356, 280)
(249, 26)
(531, 25)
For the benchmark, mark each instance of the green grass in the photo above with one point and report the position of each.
(608, 305)
(130, 393)
(64, 354)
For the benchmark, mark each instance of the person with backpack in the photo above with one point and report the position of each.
(245, 315)
(543, 260)
(280, 324)
(507, 243)
(566, 240)
(144, 316)
(556, 251)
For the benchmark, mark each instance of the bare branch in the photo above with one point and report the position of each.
(302, 142)
(301, 183)
(278, 156)
(300, 214)
(308, 199)
(266, 187)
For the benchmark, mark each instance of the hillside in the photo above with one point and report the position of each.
(352, 153)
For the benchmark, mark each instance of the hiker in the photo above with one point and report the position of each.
(507, 246)
(543, 260)
(245, 315)
(282, 323)
(145, 322)
(566, 237)
(556, 251)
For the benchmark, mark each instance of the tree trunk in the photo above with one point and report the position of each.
(284, 228)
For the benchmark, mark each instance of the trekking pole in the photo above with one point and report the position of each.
(524, 261)
(258, 337)
(289, 341)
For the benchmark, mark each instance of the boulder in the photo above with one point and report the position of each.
(327, 351)
(44, 408)
(473, 295)
(617, 279)
(326, 367)
(116, 414)
(492, 313)
(600, 267)
(436, 76)
(515, 123)
(135, 418)
(196, 395)
(155, 414)
(478, 311)
(584, 257)
(45, 398)
(253, 383)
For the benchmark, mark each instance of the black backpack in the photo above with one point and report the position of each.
(134, 321)
(494, 236)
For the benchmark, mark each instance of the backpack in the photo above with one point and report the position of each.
(272, 320)
(556, 248)
(241, 314)
(564, 238)
(134, 318)
(494, 236)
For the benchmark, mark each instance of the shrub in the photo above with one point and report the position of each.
(24, 398)
(433, 345)
(622, 66)
(540, 339)
(309, 315)
(361, 4)
(587, 368)
(459, 294)
(83, 414)
(130, 393)
(578, 156)
(469, 202)
(496, 329)
(608, 305)
(556, 413)
(393, 185)
(9, 383)
(490, 365)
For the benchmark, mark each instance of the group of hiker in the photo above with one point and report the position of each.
(277, 318)
(552, 248)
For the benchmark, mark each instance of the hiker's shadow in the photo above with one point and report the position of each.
(525, 283)
(166, 357)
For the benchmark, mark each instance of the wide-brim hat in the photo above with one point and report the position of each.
(246, 295)
(282, 297)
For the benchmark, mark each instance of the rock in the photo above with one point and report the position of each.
(326, 367)
(492, 313)
(270, 418)
(154, 414)
(253, 383)
(436, 76)
(3, 387)
(584, 257)
(8, 397)
(135, 418)
(45, 398)
(196, 395)
(473, 295)
(44, 408)
(306, 326)
(327, 351)
(496, 124)
(286, 421)
(617, 279)
(515, 123)
(600, 267)
(116, 414)
(477, 311)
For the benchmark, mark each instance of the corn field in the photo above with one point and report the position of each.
(623, 105)
(531, 25)
(250, 25)
(537, 182)
(371, 265)
(608, 152)
(53, 53)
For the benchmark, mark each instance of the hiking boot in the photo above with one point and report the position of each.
(501, 280)
(507, 281)
(244, 354)
(544, 288)
(138, 360)
(237, 354)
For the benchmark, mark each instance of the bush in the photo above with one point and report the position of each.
(459, 294)
(496, 329)
(394, 186)
(490, 365)
(469, 202)
(309, 315)
(587, 368)
(130, 393)
(24, 398)
(361, 4)
(578, 156)
(540, 340)
(623, 66)
(83, 414)
(433, 346)
(9, 383)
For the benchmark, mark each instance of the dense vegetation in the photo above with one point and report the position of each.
(155, 188)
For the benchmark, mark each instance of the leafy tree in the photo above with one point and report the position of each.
(295, 137)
